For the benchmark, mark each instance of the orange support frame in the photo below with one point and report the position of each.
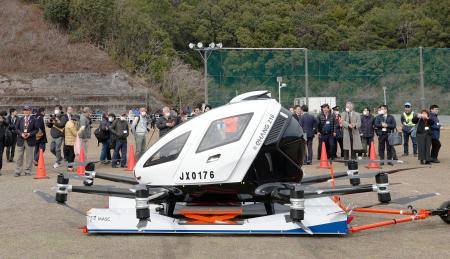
(211, 215)
(421, 214)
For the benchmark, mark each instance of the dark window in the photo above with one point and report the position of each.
(169, 151)
(224, 131)
(292, 142)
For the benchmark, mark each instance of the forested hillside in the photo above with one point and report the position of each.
(150, 37)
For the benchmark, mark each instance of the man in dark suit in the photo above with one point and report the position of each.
(12, 120)
(309, 125)
(26, 140)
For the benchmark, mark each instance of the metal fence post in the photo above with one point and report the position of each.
(422, 87)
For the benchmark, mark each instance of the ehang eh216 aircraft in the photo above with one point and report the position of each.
(234, 169)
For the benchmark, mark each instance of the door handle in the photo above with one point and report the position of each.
(213, 158)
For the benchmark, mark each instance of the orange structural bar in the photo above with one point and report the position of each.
(398, 212)
(387, 223)
(211, 215)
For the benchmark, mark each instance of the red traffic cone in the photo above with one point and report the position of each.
(373, 156)
(131, 160)
(41, 173)
(80, 169)
(323, 157)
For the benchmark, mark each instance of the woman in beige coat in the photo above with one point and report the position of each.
(70, 135)
(351, 123)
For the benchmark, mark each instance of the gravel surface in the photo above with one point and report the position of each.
(33, 228)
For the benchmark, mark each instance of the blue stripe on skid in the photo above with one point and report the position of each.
(339, 227)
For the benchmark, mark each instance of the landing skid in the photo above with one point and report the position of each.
(322, 216)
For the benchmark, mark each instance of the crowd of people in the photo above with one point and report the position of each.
(354, 132)
(24, 136)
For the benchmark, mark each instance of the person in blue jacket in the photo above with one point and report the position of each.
(435, 133)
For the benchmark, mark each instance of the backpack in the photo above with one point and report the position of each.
(100, 135)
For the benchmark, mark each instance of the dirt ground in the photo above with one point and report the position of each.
(32, 228)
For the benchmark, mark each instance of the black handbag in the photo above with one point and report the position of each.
(395, 138)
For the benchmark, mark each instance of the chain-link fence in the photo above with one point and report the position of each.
(357, 76)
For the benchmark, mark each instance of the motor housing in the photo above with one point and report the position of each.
(382, 182)
(297, 209)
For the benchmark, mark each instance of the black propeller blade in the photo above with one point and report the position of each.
(373, 174)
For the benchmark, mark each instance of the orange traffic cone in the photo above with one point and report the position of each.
(373, 156)
(323, 157)
(41, 173)
(131, 160)
(80, 169)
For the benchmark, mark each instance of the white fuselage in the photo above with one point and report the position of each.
(226, 163)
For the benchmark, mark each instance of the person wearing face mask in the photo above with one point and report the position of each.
(351, 124)
(366, 131)
(435, 133)
(70, 134)
(57, 122)
(140, 127)
(326, 128)
(119, 128)
(338, 140)
(408, 129)
(166, 122)
(384, 125)
(104, 137)
(424, 132)
(85, 128)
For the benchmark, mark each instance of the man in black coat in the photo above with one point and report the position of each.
(26, 130)
(12, 120)
(3, 129)
(41, 135)
(326, 128)
(384, 125)
(309, 125)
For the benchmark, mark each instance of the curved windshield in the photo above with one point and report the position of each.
(169, 151)
(224, 131)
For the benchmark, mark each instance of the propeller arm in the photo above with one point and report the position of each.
(115, 178)
(345, 190)
(322, 178)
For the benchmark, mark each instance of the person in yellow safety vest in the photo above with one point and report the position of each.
(409, 129)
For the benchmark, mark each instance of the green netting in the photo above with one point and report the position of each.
(357, 76)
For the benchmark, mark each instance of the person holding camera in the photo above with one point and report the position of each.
(26, 130)
(166, 122)
(57, 122)
(424, 133)
(119, 130)
(139, 128)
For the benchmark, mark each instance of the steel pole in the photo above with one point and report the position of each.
(279, 92)
(306, 77)
(422, 87)
(384, 94)
(205, 60)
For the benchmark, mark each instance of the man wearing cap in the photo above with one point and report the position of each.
(326, 127)
(26, 140)
(408, 129)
